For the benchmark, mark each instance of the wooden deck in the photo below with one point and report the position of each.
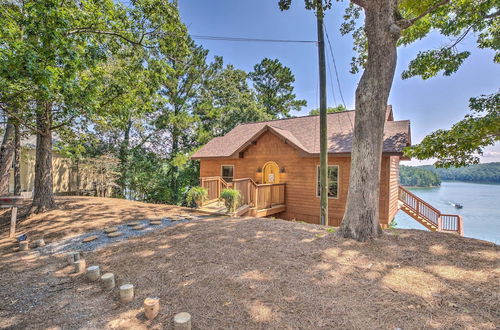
(427, 215)
(257, 200)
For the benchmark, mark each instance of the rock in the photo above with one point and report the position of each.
(155, 222)
(133, 223)
(139, 227)
(110, 229)
(89, 239)
(115, 234)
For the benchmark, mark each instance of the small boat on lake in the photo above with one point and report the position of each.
(457, 205)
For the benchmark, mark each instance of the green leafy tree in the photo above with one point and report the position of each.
(338, 108)
(387, 25)
(181, 82)
(418, 177)
(273, 83)
(226, 100)
(54, 56)
(464, 142)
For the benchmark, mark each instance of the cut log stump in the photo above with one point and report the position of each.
(126, 293)
(24, 245)
(93, 273)
(182, 321)
(108, 281)
(79, 266)
(151, 307)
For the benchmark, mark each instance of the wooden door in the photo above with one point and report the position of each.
(270, 173)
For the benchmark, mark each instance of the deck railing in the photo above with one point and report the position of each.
(214, 186)
(260, 196)
(452, 222)
(438, 221)
(269, 195)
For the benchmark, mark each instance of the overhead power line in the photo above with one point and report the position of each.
(251, 39)
(334, 65)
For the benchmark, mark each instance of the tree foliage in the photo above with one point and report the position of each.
(463, 143)
(418, 177)
(273, 83)
(338, 108)
(478, 173)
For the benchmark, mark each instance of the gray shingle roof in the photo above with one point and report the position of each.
(303, 133)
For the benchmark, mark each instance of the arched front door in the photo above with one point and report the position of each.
(270, 173)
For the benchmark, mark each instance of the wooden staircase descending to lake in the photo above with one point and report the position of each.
(427, 215)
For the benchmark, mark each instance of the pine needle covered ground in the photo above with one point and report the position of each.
(249, 273)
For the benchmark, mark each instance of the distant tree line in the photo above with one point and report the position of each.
(481, 173)
(418, 177)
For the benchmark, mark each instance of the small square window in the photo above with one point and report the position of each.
(227, 173)
(333, 180)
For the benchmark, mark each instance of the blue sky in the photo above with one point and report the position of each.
(431, 104)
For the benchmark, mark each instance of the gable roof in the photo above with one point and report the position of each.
(303, 134)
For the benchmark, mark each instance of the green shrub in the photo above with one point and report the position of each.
(197, 195)
(393, 224)
(231, 199)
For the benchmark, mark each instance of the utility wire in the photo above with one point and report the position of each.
(251, 39)
(331, 80)
(334, 65)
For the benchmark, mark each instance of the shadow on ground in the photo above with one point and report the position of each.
(266, 274)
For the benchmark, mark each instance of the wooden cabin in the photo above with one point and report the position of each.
(275, 164)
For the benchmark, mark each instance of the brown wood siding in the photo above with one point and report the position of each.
(302, 203)
(393, 187)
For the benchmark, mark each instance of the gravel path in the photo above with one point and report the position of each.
(76, 243)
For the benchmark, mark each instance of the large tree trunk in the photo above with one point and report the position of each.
(361, 218)
(6, 156)
(43, 197)
(17, 160)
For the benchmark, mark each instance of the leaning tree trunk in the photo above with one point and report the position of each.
(43, 197)
(361, 218)
(124, 155)
(17, 160)
(6, 156)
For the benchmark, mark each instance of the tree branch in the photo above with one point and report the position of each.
(20, 120)
(110, 33)
(53, 128)
(406, 23)
(361, 3)
(493, 15)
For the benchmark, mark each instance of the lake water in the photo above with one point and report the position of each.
(480, 213)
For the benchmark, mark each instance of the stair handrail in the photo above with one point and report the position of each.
(419, 199)
(441, 225)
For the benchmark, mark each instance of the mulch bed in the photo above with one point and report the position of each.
(263, 274)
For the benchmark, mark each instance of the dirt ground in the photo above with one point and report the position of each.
(250, 273)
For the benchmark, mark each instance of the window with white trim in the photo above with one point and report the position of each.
(333, 181)
(227, 172)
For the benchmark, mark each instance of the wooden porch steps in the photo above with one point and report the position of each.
(430, 217)
(268, 211)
